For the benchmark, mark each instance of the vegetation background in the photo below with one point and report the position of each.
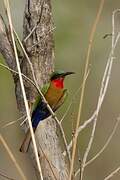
(73, 21)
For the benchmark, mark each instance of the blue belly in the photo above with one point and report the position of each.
(40, 113)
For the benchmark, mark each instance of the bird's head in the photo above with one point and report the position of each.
(57, 78)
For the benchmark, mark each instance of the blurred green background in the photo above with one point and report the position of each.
(73, 21)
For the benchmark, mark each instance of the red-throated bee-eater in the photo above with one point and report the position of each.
(55, 94)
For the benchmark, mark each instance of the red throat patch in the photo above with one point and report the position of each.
(58, 83)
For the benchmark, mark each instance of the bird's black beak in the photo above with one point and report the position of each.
(67, 73)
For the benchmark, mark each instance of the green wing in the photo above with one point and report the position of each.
(62, 100)
(44, 90)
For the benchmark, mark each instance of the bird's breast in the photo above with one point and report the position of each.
(53, 95)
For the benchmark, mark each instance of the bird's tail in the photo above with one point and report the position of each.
(26, 142)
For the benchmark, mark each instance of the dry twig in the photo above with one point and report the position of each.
(112, 174)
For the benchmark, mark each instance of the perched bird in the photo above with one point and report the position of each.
(55, 94)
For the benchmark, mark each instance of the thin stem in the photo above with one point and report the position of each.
(5, 176)
(112, 174)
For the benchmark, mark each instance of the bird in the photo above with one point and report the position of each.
(55, 94)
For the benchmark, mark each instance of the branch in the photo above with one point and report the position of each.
(112, 174)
